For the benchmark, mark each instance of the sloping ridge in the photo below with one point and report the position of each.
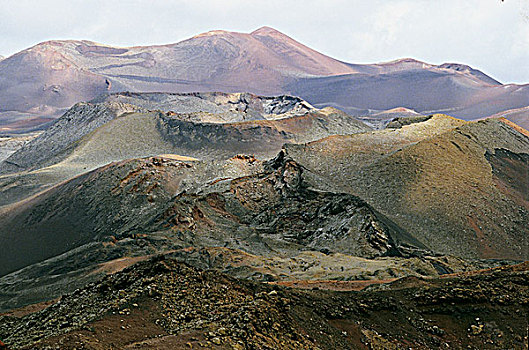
(203, 118)
(519, 116)
(426, 91)
(460, 192)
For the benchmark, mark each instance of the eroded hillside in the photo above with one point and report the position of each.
(443, 180)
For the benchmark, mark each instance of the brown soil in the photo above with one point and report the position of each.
(159, 304)
(331, 285)
(30, 309)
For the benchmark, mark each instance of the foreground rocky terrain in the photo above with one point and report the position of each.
(43, 81)
(161, 303)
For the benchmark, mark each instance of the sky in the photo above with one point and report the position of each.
(490, 35)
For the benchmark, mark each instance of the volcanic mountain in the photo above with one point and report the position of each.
(42, 81)
(406, 200)
(206, 126)
(442, 179)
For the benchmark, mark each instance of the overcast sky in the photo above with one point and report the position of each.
(490, 35)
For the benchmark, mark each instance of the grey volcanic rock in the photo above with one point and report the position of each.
(399, 122)
(257, 220)
(270, 210)
(216, 107)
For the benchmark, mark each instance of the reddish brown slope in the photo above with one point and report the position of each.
(53, 75)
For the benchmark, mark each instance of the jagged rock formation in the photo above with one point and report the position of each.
(269, 212)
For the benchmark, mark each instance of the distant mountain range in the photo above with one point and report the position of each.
(40, 83)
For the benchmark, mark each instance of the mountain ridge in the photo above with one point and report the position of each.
(46, 79)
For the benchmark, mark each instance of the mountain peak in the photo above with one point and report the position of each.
(265, 30)
(406, 60)
(212, 33)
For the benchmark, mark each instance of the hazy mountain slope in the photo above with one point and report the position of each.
(220, 60)
(423, 90)
(461, 192)
(519, 116)
(56, 74)
(380, 120)
(43, 78)
(51, 76)
(407, 64)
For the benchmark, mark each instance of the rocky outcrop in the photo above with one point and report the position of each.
(143, 207)
(166, 304)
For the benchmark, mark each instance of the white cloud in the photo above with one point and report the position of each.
(488, 34)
